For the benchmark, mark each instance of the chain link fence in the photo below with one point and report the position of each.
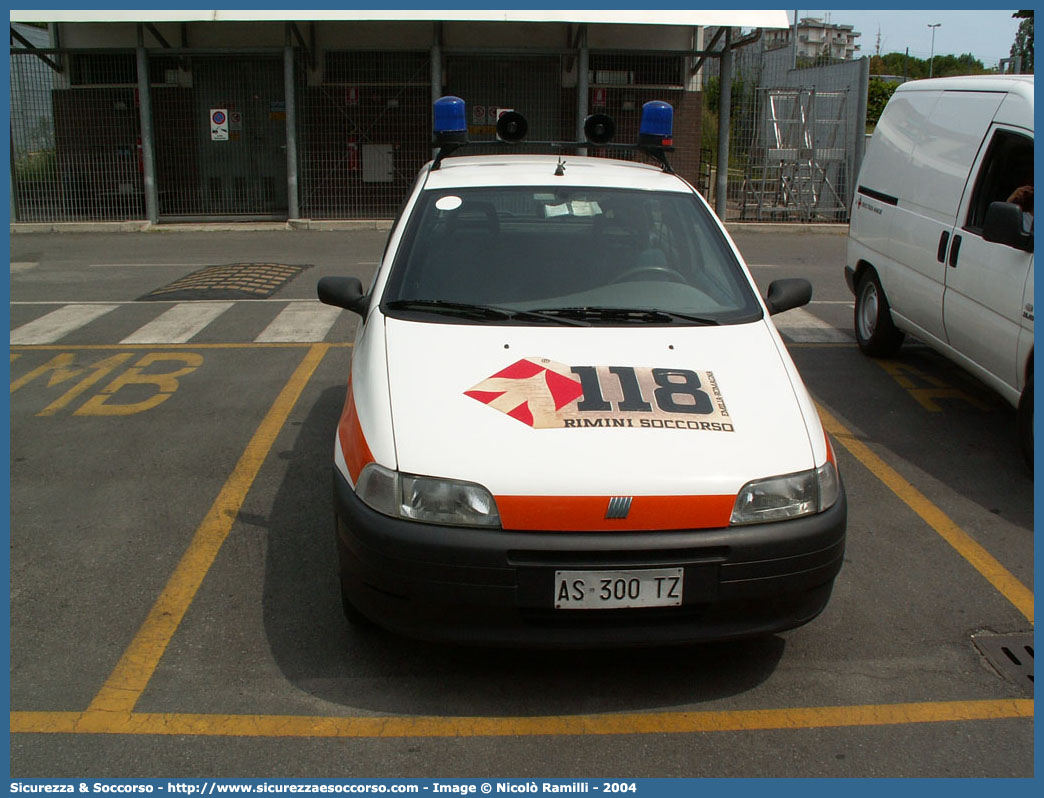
(200, 174)
(75, 136)
(363, 125)
(364, 131)
(796, 136)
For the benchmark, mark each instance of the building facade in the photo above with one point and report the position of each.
(172, 120)
(817, 39)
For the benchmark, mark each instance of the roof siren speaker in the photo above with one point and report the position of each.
(599, 128)
(512, 127)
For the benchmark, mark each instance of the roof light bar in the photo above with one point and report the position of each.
(657, 125)
(450, 119)
(655, 134)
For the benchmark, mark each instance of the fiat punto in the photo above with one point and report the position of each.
(570, 420)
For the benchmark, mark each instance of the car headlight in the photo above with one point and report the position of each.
(427, 499)
(787, 496)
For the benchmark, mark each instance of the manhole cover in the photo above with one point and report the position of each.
(230, 281)
(1011, 655)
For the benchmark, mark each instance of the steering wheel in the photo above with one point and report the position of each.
(664, 272)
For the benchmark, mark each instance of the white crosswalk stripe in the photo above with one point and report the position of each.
(297, 321)
(178, 324)
(300, 321)
(801, 327)
(58, 323)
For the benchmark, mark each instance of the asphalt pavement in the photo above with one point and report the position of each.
(174, 606)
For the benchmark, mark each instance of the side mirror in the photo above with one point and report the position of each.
(1003, 225)
(343, 292)
(787, 294)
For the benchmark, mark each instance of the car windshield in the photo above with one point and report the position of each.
(583, 256)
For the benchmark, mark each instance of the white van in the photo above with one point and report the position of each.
(941, 239)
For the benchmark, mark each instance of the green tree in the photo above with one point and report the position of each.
(917, 68)
(1023, 45)
(951, 65)
(878, 95)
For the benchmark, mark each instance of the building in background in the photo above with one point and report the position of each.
(817, 39)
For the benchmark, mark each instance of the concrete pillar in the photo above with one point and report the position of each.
(724, 113)
(582, 85)
(293, 206)
(148, 157)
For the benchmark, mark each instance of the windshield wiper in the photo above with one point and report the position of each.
(635, 315)
(488, 312)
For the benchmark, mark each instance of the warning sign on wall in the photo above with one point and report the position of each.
(219, 124)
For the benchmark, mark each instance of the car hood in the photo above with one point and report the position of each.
(595, 411)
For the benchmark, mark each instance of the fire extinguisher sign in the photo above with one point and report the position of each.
(219, 124)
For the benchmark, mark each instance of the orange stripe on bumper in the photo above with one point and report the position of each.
(587, 513)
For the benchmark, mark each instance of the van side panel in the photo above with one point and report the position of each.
(880, 178)
(947, 130)
(944, 153)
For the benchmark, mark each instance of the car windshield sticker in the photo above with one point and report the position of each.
(449, 203)
(548, 395)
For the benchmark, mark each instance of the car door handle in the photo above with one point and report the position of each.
(944, 239)
(955, 248)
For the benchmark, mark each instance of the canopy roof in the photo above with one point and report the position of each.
(729, 18)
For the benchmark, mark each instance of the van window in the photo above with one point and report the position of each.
(1006, 175)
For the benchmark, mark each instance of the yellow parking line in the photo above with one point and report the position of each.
(94, 722)
(244, 345)
(984, 562)
(127, 682)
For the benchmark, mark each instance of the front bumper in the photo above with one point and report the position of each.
(496, 587)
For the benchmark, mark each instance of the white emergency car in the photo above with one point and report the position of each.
(569, 420)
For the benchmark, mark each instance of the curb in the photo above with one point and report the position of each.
(347, 225)
(783, 228)
(141, 226)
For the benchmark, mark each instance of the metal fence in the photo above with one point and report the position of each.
(364, 130)
(198, 174)
(797, 137)
(362, 125)
(75, 137)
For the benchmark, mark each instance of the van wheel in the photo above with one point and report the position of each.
(875, 332)
(1025, 422)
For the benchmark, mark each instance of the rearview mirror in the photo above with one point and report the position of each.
(1003, 225)
(787, 294)
(343, 292)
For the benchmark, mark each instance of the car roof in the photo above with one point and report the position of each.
(469, 171)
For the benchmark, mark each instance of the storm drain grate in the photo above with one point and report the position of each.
(1011, 655)
(230, 281)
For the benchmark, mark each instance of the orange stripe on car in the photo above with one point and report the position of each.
(588, 513)
(350, 435)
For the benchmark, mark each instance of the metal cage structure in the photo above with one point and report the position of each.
(797, 169)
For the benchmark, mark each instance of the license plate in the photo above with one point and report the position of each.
(600, 590)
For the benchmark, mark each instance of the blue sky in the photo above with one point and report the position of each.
(987, 35)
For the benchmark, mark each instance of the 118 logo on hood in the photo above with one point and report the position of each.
(547, 395)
